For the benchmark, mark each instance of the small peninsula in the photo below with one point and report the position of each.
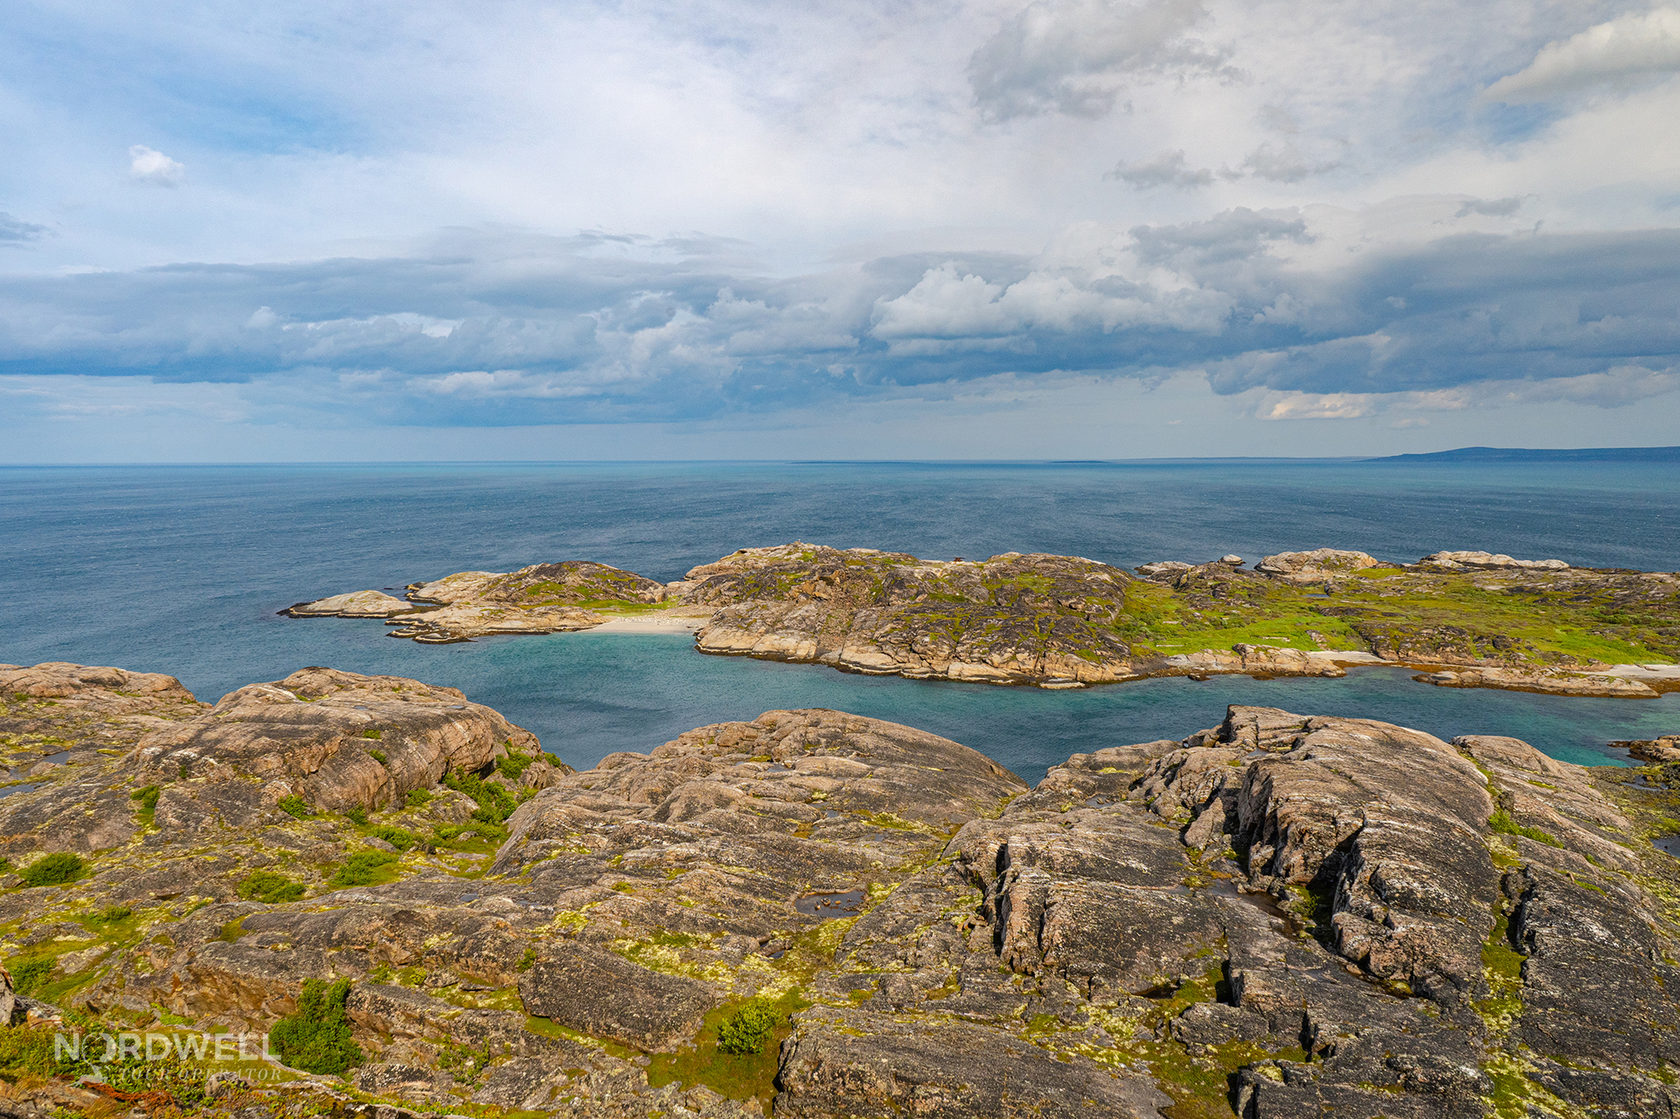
(816, 914)
(1463, 619)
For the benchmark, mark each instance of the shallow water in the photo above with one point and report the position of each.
(181, 570)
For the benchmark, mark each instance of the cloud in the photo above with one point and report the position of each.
(1630, 46)
(1166, 169)
(1075, 56)
(1281, 163)
(152, 167)
(16, 231)
(499, 328)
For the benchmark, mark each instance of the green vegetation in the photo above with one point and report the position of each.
(145, 804)
(357, 815)
(417, 798)
(400, 838)
(376, 735)
(54, 870)
(735, 1052)
(746, 1031)
(29, 976)
(270, 887)
(294, 805)
(1502, 823)
(379, 756)
(514, 764)
(495, 803)
(364, 868)
(317, 1038)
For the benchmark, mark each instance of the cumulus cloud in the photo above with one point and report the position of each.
(1630, 46)
(152, 167)
(1075, 56)
(15, 231)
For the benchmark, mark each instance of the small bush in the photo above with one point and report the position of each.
(145, 803)
(29, 976)
(317, 1038)
(746, 1031)
(400, 838)
(495, 803)
(513, 765)
(363, 868)
(54, 870)
(376, 735)
(379, 756)
(294, 805)
(270, 888)
(111, 915)
(357, 815)
(418, 798)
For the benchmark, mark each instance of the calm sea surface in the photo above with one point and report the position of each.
(181, 570)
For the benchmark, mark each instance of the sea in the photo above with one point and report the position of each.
(183, 569)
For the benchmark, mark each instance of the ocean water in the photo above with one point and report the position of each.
(182, 570)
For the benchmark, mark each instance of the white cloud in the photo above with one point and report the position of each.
(1630, 46)
(152, 167)
(1166, 169)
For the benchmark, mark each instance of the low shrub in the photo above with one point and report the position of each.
(145, 803)
(746, 1031)
(362, 868)
(317, 1038)
(357, 815)
(400, 838)
(270, 887)
(29, 976)
(294, 805)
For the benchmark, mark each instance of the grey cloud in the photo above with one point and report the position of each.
(1491, 207)
(1166, 169)
(504, 330)
(1281, 163)
(16, 231)
(1075, 56)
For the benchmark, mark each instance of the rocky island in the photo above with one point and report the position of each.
(1464, 619)
(815, 914)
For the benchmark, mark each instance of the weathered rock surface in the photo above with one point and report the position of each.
(1475, 619)
(1286, 915)
(356, 604)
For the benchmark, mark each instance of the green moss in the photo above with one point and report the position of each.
(54, 870)
(317, 1038)
(379, 756)
(374, 734)
(1502, 823)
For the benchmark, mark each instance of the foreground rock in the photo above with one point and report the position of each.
(1469, 619)
(1281, 916)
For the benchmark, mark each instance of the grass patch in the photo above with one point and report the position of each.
(54, 870)
(31, 976)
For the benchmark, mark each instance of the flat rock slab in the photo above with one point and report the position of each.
(604, 995)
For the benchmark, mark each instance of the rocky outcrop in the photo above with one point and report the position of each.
(541, 598)
(1475, 619)
(1280, 916)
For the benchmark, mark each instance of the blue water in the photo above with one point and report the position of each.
(181, 570)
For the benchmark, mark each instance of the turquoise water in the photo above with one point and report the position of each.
(181, 570)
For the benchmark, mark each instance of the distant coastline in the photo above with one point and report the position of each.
(1533, 454)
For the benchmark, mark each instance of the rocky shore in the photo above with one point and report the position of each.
(1463, 619)
(818, 914)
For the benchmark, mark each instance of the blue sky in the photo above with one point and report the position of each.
(916, 229)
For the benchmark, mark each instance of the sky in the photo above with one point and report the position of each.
(903, 229)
